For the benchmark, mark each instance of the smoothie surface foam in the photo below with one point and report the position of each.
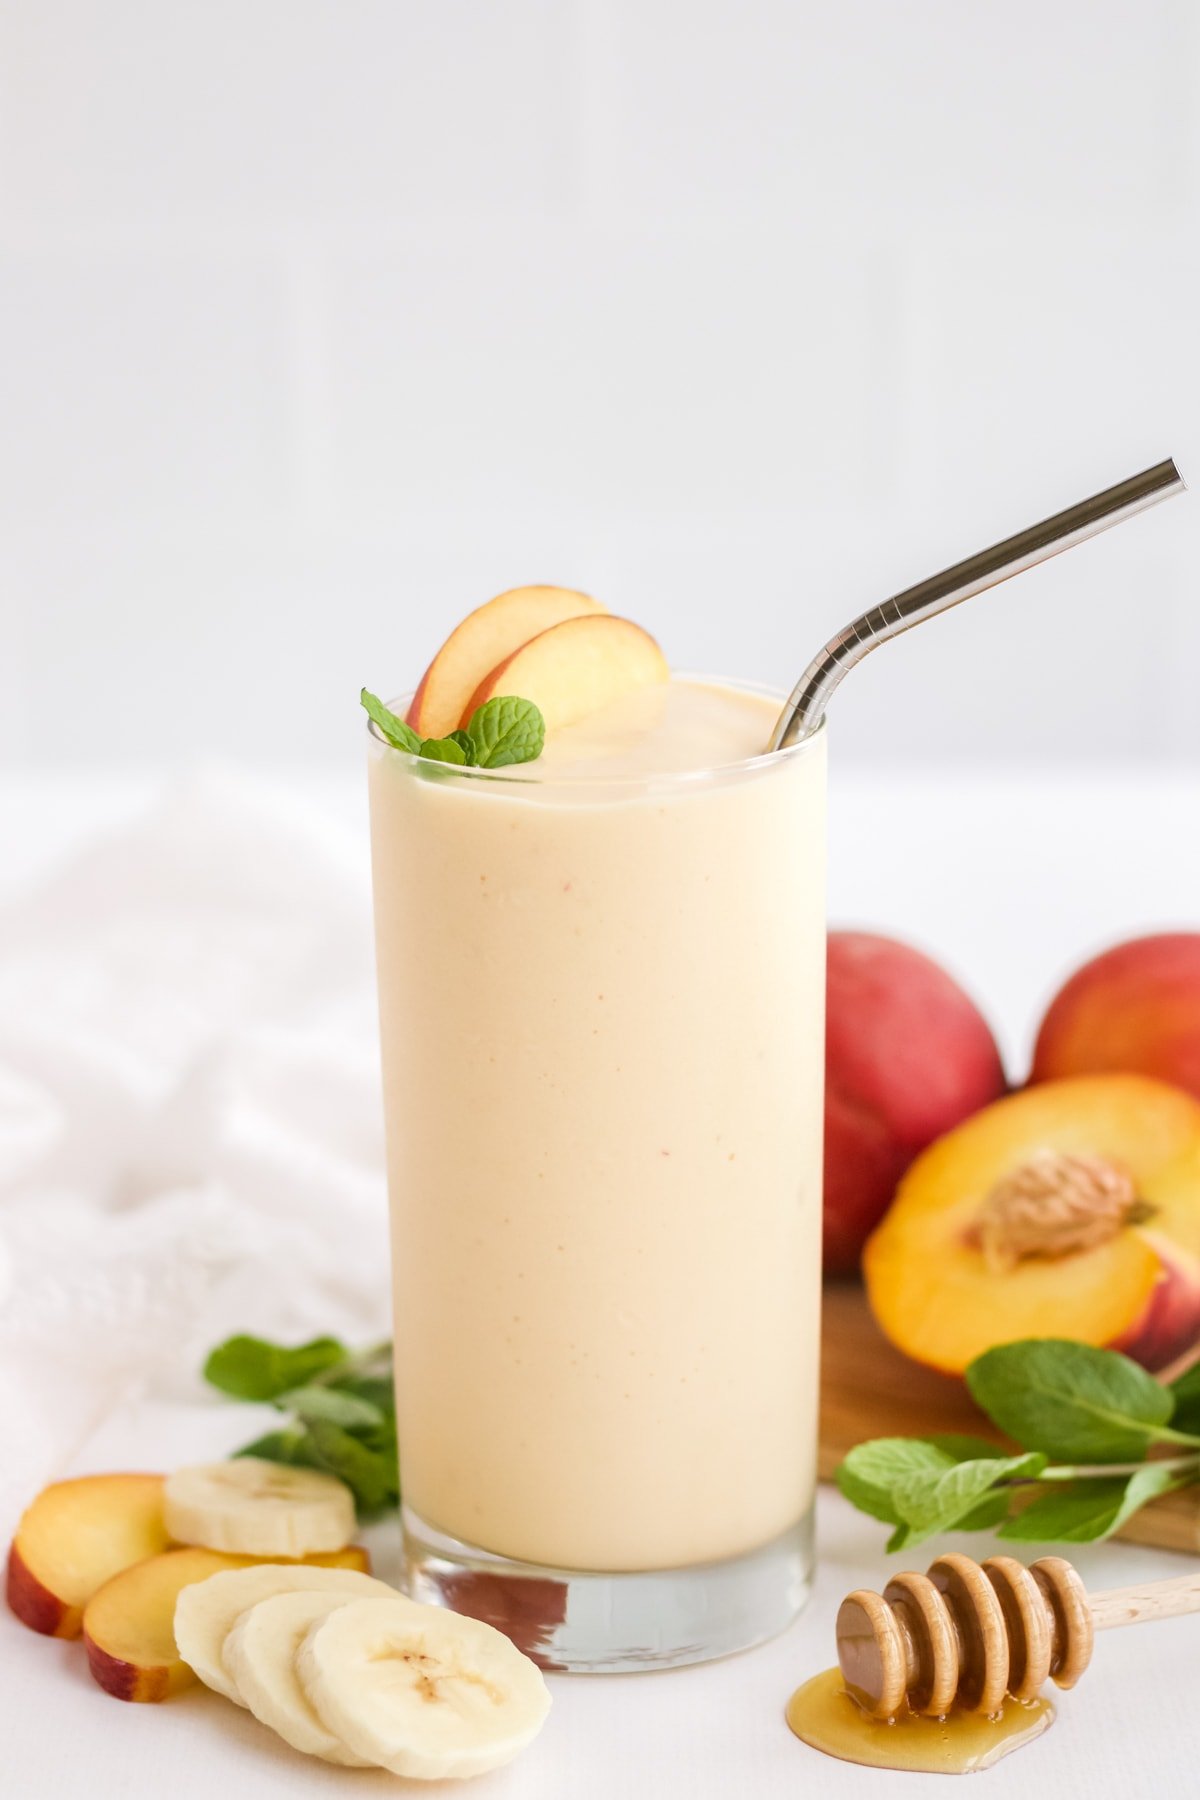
(675, 728)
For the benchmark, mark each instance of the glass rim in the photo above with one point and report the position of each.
(746, 765)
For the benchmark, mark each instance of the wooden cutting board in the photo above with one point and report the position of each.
(869, 1390)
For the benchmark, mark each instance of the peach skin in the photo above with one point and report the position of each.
(484, 638)
(908, 1055)
(1136, 1009)
(1071, 1209)
(575, 668)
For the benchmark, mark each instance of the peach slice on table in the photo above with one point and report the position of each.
(575, 668)
(485, 638)
(73, 1538)
(1069, 1210)
(128, 1624)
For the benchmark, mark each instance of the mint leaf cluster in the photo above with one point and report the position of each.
(501, 732)
(340, 1405)
(1087, 1421)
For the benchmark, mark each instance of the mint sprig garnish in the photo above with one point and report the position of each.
(340, 1406)
(1086, 1420)
(501, 732)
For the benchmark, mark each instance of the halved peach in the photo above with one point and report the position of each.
(128, 1624)
(575, 668)
(1069, 1210)
(485, 637)
(73, 1538)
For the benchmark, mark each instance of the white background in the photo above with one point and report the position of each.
(323, 320)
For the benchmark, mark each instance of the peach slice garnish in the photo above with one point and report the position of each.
(128, 1624)
(1069, 1210)
(485, 638)
(74, 1538)
(575, 668)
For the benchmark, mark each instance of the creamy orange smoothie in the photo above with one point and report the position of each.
(601, 982)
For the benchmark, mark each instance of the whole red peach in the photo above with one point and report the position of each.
(1135, 1010)
(908, 1055)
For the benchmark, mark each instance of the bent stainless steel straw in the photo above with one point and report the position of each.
(810, 697)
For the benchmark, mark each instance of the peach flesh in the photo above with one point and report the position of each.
(575, 668)
(484, 638)
(1128, 1278)
(73, 1538)
(128, 1624)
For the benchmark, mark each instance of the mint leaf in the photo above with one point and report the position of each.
(903, 1482)
(1186, 1394)
(371, 1474)
(931, 1500)
(870, 1471)
(961, 1448)
(994, 1506)
(463, 740)
(397, 733)
(1076, 1403)
(1148, 1483)
(377, 1390)
(290, 1447)
(505, 731)
(990, 1511)
(252, 1368)
(445, 750)
(334, 1404)
(1079, 1512)
(1072, 1512)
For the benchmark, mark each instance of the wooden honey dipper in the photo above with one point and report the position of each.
(969, 1633)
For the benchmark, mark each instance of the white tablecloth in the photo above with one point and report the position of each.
(187, 1103)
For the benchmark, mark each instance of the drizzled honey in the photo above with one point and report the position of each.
(822, 1714)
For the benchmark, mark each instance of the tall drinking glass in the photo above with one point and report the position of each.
(602, 1013)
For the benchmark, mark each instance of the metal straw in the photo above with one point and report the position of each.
(810, 697)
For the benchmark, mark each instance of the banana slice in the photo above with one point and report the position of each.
(259, 1657)
(207, 1611)
(258, 1508)
(420, 1691)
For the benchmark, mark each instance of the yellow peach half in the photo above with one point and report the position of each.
(1071, 1209)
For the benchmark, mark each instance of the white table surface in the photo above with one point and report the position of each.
(1011, 880)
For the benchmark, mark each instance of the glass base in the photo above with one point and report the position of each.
(594, 1623)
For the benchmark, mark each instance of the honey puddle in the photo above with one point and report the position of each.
(823, 1715)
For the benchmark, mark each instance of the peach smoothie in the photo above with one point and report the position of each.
(601, 981)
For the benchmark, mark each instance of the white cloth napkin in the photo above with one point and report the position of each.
(190, 1130)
